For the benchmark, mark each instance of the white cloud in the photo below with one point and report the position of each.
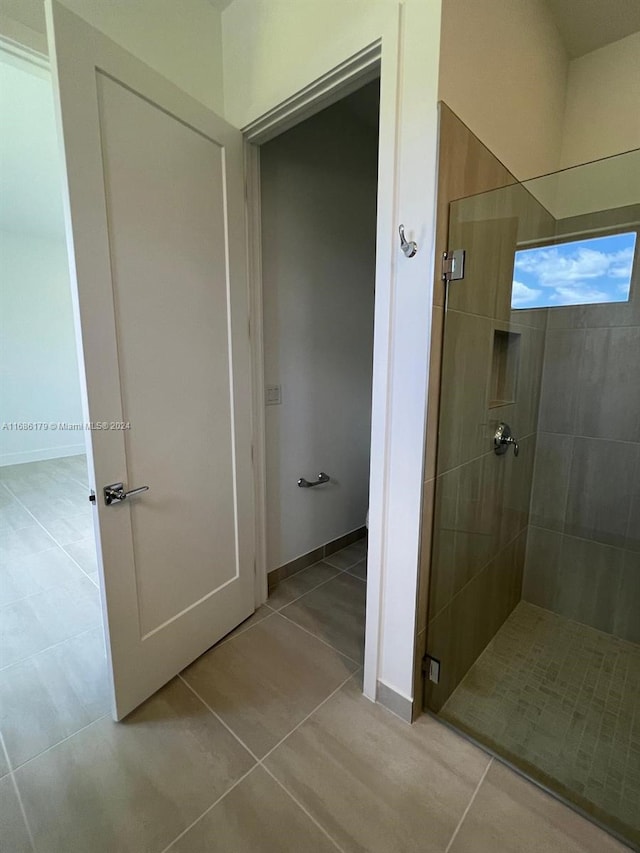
(554, 267)
(578, 295)
(521, 295)
(622, 263)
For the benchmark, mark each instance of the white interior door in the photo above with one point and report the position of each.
(156, 228)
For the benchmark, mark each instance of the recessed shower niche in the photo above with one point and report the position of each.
(505, 364)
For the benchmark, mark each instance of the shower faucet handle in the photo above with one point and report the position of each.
(503, 439)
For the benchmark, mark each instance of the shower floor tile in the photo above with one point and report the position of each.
(561, 700)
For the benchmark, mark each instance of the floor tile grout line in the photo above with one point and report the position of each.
(468, 808)
(228, 637)
(16, 791)
(311, 566)
(303, 808)
(57, 744)
(219, 718)
(208, 809)
(48, 648)
(39, 591)
(311, 589)
(310, 714)
(351, 575)
(59, 545)
(326, 560)
(260, 761)
(324, 642)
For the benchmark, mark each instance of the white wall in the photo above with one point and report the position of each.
(38, 368)
(503, 71)
(318, 239)
(181, 40)
(603, 103)
(274, 48)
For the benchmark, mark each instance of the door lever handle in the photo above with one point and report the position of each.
(115, 493)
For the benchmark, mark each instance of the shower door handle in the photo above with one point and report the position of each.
(503, 439)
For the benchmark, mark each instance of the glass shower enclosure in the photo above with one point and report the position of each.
(534, 606)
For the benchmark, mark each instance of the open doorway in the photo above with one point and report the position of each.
(52, 660)
(318, 189)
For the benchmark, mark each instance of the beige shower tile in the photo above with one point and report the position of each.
(551, 480)
(541, 582)
(558, 699)
(133, 786)
(258, 815)
(609, 403)
(511, 815)
(560, 386)
(374, 782)
(466, 365)
(627, 622)
(588, 581)
(265, 681)
(601, 483)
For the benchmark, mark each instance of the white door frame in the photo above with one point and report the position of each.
(375, 60)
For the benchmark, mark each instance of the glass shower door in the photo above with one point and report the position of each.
(534, 605)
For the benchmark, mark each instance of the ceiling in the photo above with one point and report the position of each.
(586, 25)
(30, 174)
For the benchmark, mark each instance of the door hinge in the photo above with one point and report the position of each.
(453, 265)
(431, 668)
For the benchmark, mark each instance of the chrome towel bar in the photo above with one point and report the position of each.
(322, 478)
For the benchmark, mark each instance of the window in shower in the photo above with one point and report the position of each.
(576, 272)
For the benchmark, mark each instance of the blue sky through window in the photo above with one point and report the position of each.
(576, 273)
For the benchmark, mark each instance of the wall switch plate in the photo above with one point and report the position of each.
(273, 394)
(431, 666)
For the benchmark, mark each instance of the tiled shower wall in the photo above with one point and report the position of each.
(565, 532)
(583, 550)
(481, 511)
(465, 166)
(474, 537)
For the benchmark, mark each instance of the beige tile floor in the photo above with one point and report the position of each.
(265, 743)
(562, 701)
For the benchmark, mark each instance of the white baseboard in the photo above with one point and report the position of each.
(41, 454)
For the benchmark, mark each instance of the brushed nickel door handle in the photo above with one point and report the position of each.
(115, 493)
